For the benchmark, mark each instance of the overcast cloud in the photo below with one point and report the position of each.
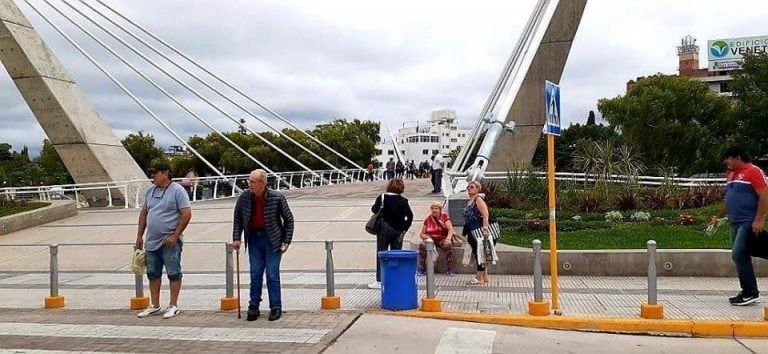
(391, 61)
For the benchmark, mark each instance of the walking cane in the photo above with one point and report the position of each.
(238, 283)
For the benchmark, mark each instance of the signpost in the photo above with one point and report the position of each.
(552, 129)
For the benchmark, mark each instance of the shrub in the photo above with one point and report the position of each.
(686, 219)
(640, 216)
(626, 200)
(656, 198)
(588, 202)
(614, 216)
(496, 197)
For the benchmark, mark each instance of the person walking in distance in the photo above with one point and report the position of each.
(437, 174)
(263, 216)
(746, 203)
(163, 218)
(391, 168)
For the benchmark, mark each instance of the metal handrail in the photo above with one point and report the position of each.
(296, 179)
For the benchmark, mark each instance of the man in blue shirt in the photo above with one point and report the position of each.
(164, 216)
(746, 202)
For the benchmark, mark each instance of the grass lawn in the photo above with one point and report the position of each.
(597, 234)
(16, 208)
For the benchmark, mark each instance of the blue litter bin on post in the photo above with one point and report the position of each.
(399, 290)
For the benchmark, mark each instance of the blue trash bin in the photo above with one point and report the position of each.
(399, 290)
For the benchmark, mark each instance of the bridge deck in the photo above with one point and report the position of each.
(323, 213)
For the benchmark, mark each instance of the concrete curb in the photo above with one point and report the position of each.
(58, 210)
(695, 328)
(669, 263)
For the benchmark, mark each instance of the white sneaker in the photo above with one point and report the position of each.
(171, 312)
(374, 285)
(149, 312)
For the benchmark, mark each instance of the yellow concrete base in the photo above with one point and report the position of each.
(139, 303)
(330, 303)
(228, 303)
(601, 324)
(538, 308)
(54, 302)
(652, 312)
(431, 305)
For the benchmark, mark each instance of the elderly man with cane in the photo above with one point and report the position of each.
(266, 220)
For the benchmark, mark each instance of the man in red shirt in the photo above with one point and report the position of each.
(266, 220)
(746, 202)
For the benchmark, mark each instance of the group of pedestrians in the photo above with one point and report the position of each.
(264, 219)
(437, 226)
(261, 215)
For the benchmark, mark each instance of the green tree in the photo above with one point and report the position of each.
(674, 121)
(53, 168)
(568, 141)
(142, 148)
(5, 151)
(750, 87)
(591, 118)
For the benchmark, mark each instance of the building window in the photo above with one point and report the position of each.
(454, 140)
(402, 152)
(390, 152)
(413, 139)
(434, 152)
(425, 152)
(454, 128)
(378, 151)
(434, 139)
(423, 138)
(725, 87)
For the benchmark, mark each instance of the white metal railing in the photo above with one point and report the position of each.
(578, 177)
(129, 194)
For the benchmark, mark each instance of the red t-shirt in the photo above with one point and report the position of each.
(433, 229)
(257, 212)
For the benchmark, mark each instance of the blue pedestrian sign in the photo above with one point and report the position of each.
(552, 108)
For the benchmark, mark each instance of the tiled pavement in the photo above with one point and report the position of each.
(192, 331)
(684, 298)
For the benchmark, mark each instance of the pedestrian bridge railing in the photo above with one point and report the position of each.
(130, 194)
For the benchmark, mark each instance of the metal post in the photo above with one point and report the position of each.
(109, 196)
(139, 283)
(54, 269)
(329, 281)
(230, 270)
(125, 195)
(234, 185)
(215, 189)
(430, 268)
(651, 272)
(538, 286)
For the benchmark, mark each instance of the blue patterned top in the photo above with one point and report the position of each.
(472, 214)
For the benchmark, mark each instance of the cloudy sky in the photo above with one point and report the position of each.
(391, 61)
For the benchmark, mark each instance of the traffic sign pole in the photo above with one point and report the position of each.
(552, 128)
(552, 222)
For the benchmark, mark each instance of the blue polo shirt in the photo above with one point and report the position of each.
(741, 193)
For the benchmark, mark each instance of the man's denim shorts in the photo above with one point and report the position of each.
(168, 256)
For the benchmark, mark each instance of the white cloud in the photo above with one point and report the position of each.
(392, 61)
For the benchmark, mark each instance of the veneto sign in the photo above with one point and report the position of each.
(727, 54)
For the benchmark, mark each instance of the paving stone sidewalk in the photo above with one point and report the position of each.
(191, 331)
(684, 298)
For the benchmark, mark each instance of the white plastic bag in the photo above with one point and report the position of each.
(139, 262)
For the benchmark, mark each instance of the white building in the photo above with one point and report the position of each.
(418, 141)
